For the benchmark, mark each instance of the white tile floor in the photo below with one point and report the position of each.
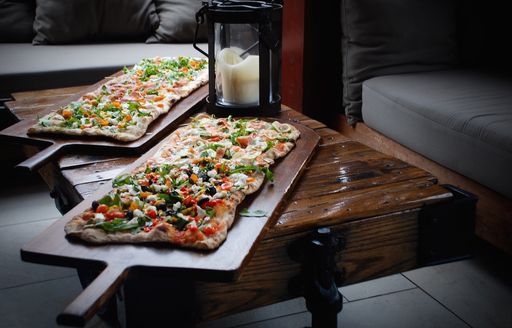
(475, 292)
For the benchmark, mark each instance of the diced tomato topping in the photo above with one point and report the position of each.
(102, 208)
(189, 201)
(155, 222)
(143, 182)
(114, 214)
(147, 229)
(220, 152)
(209, 230)
(244, 141)
(192, 228)
(226, 186)
(215, 138)
(151, 213)
(88, 215)
(212, 203)
(280, 146)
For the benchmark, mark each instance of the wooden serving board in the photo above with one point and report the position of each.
(54, 144)
(224, 264)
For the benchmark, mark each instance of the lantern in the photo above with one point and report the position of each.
(244, 54)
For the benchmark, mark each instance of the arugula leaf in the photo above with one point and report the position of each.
(113, 226)
(104, 90)
(109, 201)
(124, 179)
(177, 222)
(141, 113)
(171, 198)
(133, 106)
(152, 92)
(270, 144)
(256, 213)
(246, 168)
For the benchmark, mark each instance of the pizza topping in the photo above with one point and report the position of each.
(187, 185)
(131, 100)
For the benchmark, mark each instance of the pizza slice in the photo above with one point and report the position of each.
(187, 193)
(124, 107)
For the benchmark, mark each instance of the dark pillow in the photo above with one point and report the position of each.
(72, 21)
(381, 37)
(177, 21)
(127, 19)
(60, 21)
(16, 19)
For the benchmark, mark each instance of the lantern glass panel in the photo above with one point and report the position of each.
(237, 61)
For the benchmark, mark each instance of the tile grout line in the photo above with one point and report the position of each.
(273, 318)
(341, 313)
(379, 295)
(36, 282)
(436, 300)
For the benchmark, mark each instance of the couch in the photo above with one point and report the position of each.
(52, 43)
(429, 81)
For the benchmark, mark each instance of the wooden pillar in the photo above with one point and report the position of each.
(293, 54)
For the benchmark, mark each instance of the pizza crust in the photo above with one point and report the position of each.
(132, 132)
(165, 232)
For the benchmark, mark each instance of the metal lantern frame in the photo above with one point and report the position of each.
(268, 17)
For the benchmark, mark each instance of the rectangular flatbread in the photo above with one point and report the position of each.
(187, 193)
(124, 107)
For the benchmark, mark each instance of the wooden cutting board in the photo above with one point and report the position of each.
(57, 144)
(224, 264)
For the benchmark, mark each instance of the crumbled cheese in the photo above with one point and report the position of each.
(195, 188)
(239, 179)
(133, 221)
(220, 194)
(212, 173)
(138, 213)
(200, 212)
(195, 169)
(99, 217)
(151, 198)
(176, 206)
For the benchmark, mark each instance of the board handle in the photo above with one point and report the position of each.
(36, 161)
(93, 297)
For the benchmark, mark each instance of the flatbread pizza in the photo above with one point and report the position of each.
(124, 107)
(187, 193)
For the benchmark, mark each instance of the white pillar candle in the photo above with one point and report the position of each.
(239, 77)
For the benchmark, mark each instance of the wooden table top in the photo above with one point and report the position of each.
(344, 181)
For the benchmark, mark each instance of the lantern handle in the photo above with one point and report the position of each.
(200, 20)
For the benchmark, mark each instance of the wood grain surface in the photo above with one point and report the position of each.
(372, 198)
(223, 264)
(54, 144)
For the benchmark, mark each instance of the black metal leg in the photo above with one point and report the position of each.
(320, 276)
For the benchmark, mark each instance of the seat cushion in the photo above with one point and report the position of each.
(27, 67)
(461, 119)
(382, 37)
